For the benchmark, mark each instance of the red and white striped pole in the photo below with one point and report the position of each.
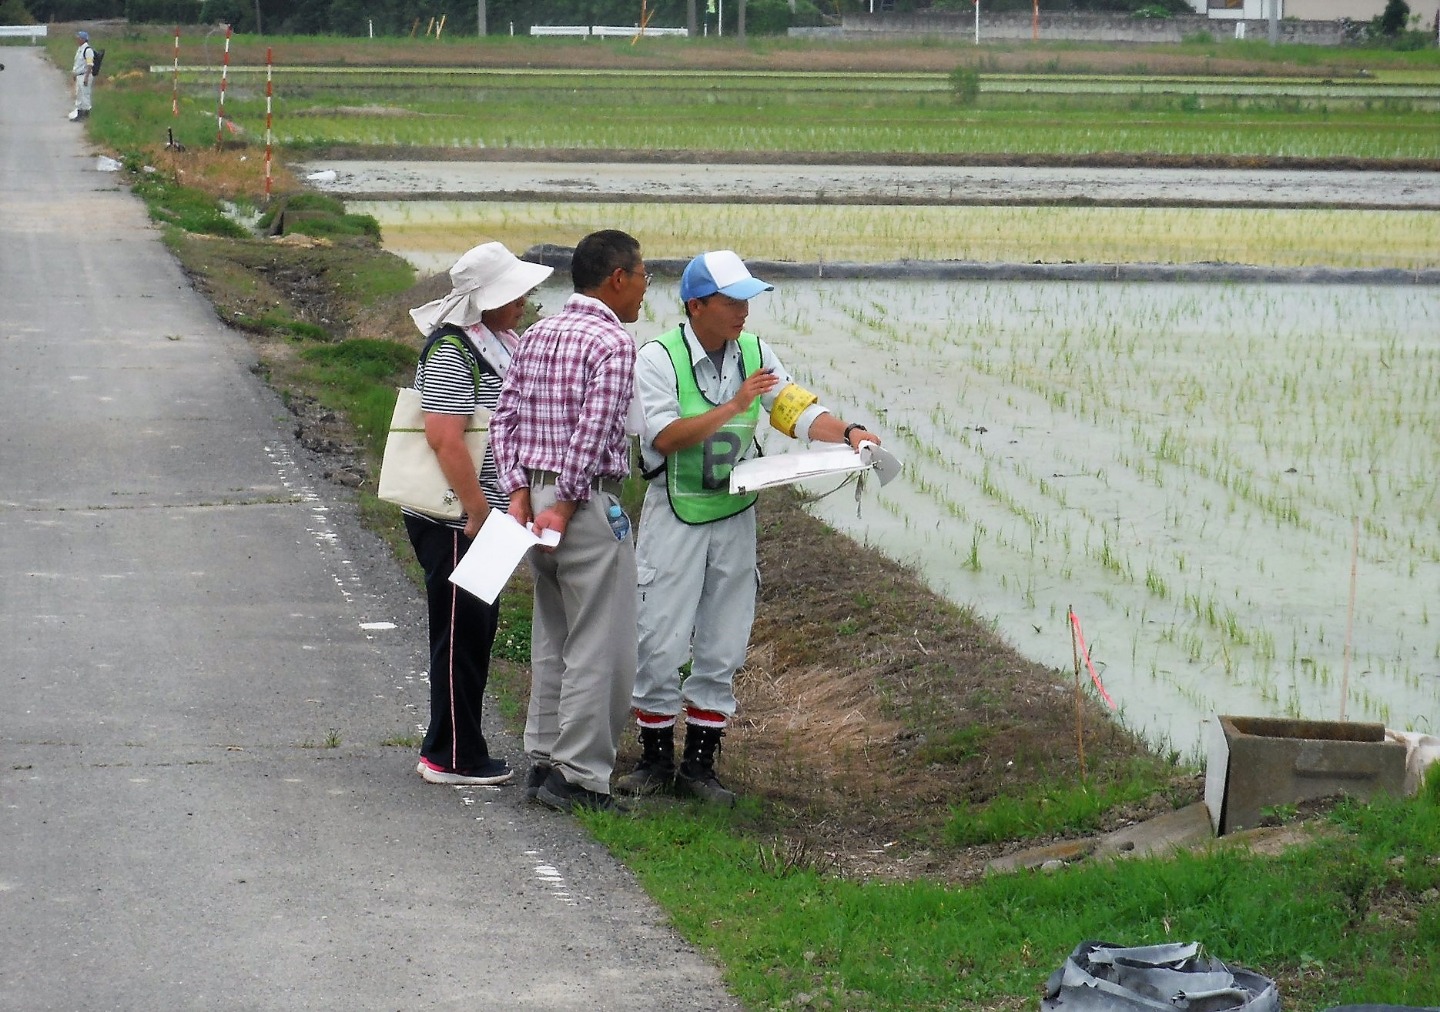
(269, 90)
(175, 81)
(224, 77)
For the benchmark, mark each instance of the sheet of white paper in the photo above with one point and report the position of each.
(496, 551)
(817, 462)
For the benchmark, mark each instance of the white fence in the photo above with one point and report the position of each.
(603, 31)
(628, 32)
(20, 31)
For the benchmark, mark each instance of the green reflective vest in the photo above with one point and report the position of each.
(698, 477)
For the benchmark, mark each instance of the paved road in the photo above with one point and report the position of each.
(800, 184)
(186, 615)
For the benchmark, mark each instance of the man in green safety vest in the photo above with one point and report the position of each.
(703, 388)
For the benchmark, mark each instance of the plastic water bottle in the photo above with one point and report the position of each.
(619, 522)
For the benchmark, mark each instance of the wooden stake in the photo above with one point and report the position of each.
(269, 94)
(175, 80)
(220, 108)
(1350, 618)
(1079, 707)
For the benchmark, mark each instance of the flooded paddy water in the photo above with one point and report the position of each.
(1183, 465)
(1190, 467)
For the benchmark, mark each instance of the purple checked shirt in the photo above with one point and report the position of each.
(565, 401)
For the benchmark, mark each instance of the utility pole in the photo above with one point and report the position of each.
(481, 28)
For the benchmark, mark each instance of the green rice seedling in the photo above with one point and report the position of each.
(1277, 237)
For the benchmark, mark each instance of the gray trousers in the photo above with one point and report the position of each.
(697, 603)
(582, 645)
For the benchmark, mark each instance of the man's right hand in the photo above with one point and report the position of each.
(555, 517)
(758, 383)
(520, 507)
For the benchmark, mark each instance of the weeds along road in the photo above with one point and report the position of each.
(201, 657)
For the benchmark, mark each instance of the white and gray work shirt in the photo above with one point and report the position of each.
(83, 57)
(655, 389)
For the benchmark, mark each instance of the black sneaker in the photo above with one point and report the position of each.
(646, 778)
(533, 779)
(563, 796)
(702, 783)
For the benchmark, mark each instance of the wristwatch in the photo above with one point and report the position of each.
(853, 427)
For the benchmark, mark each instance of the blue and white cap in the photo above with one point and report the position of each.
(83, 36)
(720, 271)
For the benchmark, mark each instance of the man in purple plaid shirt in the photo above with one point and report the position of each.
(561, 450)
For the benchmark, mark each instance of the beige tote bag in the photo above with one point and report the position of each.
(410, 472)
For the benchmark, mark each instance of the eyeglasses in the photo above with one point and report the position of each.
(648, 277)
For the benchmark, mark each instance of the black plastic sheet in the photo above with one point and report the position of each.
(1102, 977)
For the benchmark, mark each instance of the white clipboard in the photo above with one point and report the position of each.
(817, 462)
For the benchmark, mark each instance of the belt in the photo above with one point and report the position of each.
(539, 478)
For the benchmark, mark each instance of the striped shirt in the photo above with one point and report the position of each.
(565, 401)
(447, 387)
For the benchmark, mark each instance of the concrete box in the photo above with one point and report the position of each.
(1259, 762)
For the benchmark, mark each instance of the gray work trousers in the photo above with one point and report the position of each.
(582, 645)
(83, 85)
(697, 604)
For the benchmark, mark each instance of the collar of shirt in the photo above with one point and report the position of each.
(498, 347)
(588, 303)
(709, 371)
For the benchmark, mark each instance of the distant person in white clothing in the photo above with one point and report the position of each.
(83, 71)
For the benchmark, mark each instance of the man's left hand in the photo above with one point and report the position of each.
(859, 436)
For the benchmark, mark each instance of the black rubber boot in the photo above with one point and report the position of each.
(696, 775)
(655, 771)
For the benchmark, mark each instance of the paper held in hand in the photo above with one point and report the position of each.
(818, 462)
(497, 549)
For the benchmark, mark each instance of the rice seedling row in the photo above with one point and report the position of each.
(433, 232)
(858, 119)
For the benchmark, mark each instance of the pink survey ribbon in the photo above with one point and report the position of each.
(1084, 652)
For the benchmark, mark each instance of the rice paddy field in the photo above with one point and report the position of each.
(1197, 470)
(1189, 467)
(432, 233)
(1159, 125)
(315, 109)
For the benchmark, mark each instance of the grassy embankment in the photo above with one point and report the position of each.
(959, 741)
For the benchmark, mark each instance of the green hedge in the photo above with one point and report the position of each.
(74, 10)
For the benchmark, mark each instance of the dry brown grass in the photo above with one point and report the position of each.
(231, 173)
(868, 705)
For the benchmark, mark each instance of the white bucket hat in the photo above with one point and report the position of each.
(486, 277)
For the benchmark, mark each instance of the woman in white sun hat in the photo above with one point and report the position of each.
(470, 338)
